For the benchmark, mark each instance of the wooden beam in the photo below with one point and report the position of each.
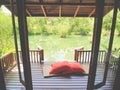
(60, 10)
(56, 15)
(93, 11)
(111, 39)
(42, 7)
(49, 3)
(15, 39)
(0, 3)
(76, 11)
(28, 12)
(23, 31)
(44, 3)
(95, 43)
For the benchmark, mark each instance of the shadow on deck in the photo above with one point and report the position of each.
(57, 83)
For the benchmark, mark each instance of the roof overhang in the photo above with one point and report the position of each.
(61, 8)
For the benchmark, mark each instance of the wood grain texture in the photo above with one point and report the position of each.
(56, 83)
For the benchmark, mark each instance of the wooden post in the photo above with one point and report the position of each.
(95, 43)
(111, 40)
(0, 3)
(117, 78)
(15, 38)
(23, 31)
(41, 53)
(76, 54)
(2, 82)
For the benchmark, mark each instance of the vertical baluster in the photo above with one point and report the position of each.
(21, 57)
(83, 57)
(40, 52)
(31, 56)
(98, 61)
(99, 57)
(103, 56)
(6, 66)
(37, 56)
(34, 57)
(89, 55)
(79, 56)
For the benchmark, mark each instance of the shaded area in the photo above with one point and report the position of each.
(55, 83)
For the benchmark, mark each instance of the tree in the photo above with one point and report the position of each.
(118, 23)
(6, 33)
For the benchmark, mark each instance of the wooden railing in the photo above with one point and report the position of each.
(8, 61)
(84, 56)
(36, 56)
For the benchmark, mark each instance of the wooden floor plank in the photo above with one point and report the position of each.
(56, 83)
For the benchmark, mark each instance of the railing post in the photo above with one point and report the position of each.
(76, 54)
(41, 53)
(42, 56)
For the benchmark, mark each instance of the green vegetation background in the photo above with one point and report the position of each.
(58, 35)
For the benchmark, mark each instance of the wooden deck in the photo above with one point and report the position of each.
(56, 83)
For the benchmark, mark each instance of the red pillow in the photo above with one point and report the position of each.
(60, 67)
(75, 68)
(59, 63)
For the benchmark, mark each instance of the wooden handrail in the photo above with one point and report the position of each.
(8, 61)
(84, 56)
(35, 56)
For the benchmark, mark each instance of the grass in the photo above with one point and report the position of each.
(56, 48)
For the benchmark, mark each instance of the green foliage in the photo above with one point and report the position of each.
(6, 33)
(53, 44)
(118, 23)
(81, 26)
(116, 51)
(107, 21)
(59, 26)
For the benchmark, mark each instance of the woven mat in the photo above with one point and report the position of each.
(47, 68)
